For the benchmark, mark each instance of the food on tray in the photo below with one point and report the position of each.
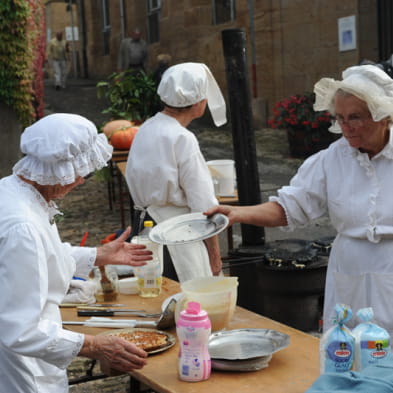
(147, 340)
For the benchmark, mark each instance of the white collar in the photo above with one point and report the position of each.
(50, 208)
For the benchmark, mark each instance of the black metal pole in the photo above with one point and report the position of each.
(234, 45)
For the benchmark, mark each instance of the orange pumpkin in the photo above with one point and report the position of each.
(122, 139)
(114, 125)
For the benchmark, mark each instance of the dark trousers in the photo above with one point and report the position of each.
(169, 268)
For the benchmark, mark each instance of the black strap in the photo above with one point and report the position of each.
(137, 222)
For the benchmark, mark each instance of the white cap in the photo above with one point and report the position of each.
(188, 83)
(61, 147)
(367, 82)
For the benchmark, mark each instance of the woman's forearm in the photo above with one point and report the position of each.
(269, 214)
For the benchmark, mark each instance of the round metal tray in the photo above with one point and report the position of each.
(188, 228)
(254, 364)
(243, 344)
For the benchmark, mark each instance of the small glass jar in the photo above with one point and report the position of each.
(107, 289)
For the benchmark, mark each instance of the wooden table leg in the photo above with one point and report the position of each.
(121, 202)
(110, 185)
(135, 386)
(230, 238)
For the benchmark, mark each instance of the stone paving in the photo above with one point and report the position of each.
(87, 209)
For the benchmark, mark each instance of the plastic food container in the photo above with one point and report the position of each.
(223, 173)
(216, 295)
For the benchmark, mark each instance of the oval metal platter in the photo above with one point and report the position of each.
(254, 364)
(243, 344)
(188, 228)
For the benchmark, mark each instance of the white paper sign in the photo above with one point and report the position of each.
(347, 33)
(68, 32)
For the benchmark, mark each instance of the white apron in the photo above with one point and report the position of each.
(357, 193)
(360, 274)
(190, 260)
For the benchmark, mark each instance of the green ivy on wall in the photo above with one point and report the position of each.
(22, 51)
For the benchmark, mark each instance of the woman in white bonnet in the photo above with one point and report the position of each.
(166, 172)
(352, 181)
(36, 267)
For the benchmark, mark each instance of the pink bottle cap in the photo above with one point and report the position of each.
(193, 312)
(193, 308)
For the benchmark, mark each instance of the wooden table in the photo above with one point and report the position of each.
(291, 370)
(121, 173)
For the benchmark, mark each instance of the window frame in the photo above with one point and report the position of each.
(106, 26)
(232, 16)
(153, 16)
(151, 7)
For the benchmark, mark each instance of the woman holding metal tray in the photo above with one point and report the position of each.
(351, 181)
(166, 172)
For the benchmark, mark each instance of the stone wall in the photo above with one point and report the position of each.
(57, 18)
(101, 64)
(10, 132)
(296, 41)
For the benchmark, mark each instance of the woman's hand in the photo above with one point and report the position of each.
(223, 209)
(114, 352)
(120, 252)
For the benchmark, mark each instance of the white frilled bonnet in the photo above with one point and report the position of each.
(367, 82)
(61, 147)
(188, 83)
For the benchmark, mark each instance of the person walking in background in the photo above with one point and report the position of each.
(132, 53)
(163, 62)
(352, 181)
(57, 55)
(166, 172)
(60, 151)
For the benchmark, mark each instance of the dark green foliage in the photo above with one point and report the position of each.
(131, 95)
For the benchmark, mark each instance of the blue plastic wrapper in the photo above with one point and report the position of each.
(372, 342)
(338, 344)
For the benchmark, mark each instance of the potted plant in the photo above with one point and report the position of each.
(307, 129)
(131, 95)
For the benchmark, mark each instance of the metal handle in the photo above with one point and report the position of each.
(95, 313)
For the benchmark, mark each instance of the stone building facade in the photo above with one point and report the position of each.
(290, 44)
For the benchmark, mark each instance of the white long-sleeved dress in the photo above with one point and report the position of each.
(167, 174)
(36, 268)
(357, 194)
